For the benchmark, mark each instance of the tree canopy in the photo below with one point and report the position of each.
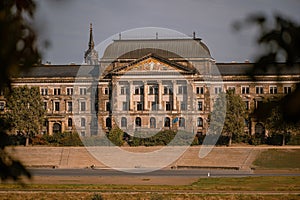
(18, 51)
(25, 110)
(235, 116)
(279, 38)
(276, 124)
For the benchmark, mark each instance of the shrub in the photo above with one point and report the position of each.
(293, 140)
(63, 139)
(116, 135)
(97, 197)
(39, 139)
(162, 138)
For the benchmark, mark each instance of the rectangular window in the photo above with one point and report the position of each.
(124, 90)
(125, 106)
(56, 106)
(259, 90)
(82, 106)
(140, 106)
(273, 89)
(44, 91)
(153, 89)
(168, 90)
(82, 133)
(107, 105)
(56, 91)
(69, 106)
(200, 105)
(218, 90)
(106, 91)
(182, 89)
(154, 105)
(139, 90)
(199, 90)
(70, 122)
(2, 106)
(168, 106)
(287, 90)
(82, 122)
(183, 106)
(82, 91)
(245, 90)
(69, 91)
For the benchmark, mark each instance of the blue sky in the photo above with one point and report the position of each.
(66, 25)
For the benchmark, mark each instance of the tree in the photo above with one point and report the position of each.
(235, 116)
(216, 120)
(276, 124)
(115, 135)
(18, 46)
(25, 110)
(18, 51)
(280, 40)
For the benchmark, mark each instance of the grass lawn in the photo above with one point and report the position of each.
(204, 188)
(144, 196)
(278, 159)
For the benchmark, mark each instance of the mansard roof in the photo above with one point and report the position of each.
(167, 48)
(60, 71)
(247, 69)
(225, 69)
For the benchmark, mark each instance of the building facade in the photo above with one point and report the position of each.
(147, 85)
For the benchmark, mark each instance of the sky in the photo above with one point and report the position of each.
(65, 24)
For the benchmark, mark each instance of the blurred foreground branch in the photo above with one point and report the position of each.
(280, 40)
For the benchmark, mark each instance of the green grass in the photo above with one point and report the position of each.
(144, 196)
(278, 159)
(204, 188)
(276, 183)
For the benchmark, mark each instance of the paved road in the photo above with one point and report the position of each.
(160, 173)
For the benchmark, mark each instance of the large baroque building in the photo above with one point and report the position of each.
(147, 85)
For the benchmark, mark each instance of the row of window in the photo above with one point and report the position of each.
(58, 91)
(154, 106)
(152, 122)
(82, 122)
(168, 90)
(69, 106)
(138, 122)
(200, 90)
(153, 90)
(258, 89)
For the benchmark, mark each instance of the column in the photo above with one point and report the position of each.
(174, 95)
(131, 92)
(160, 91)
(145, 95)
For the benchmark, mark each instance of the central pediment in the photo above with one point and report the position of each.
(152, 63)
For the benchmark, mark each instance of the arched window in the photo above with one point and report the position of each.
(82, 122)
(108, 122)
(138, 122)
(181, 122)
(123, 122)
(167, 122)
(259, 129)
(152, 122)
(200, 122)
(70, 122)
(56, 128)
